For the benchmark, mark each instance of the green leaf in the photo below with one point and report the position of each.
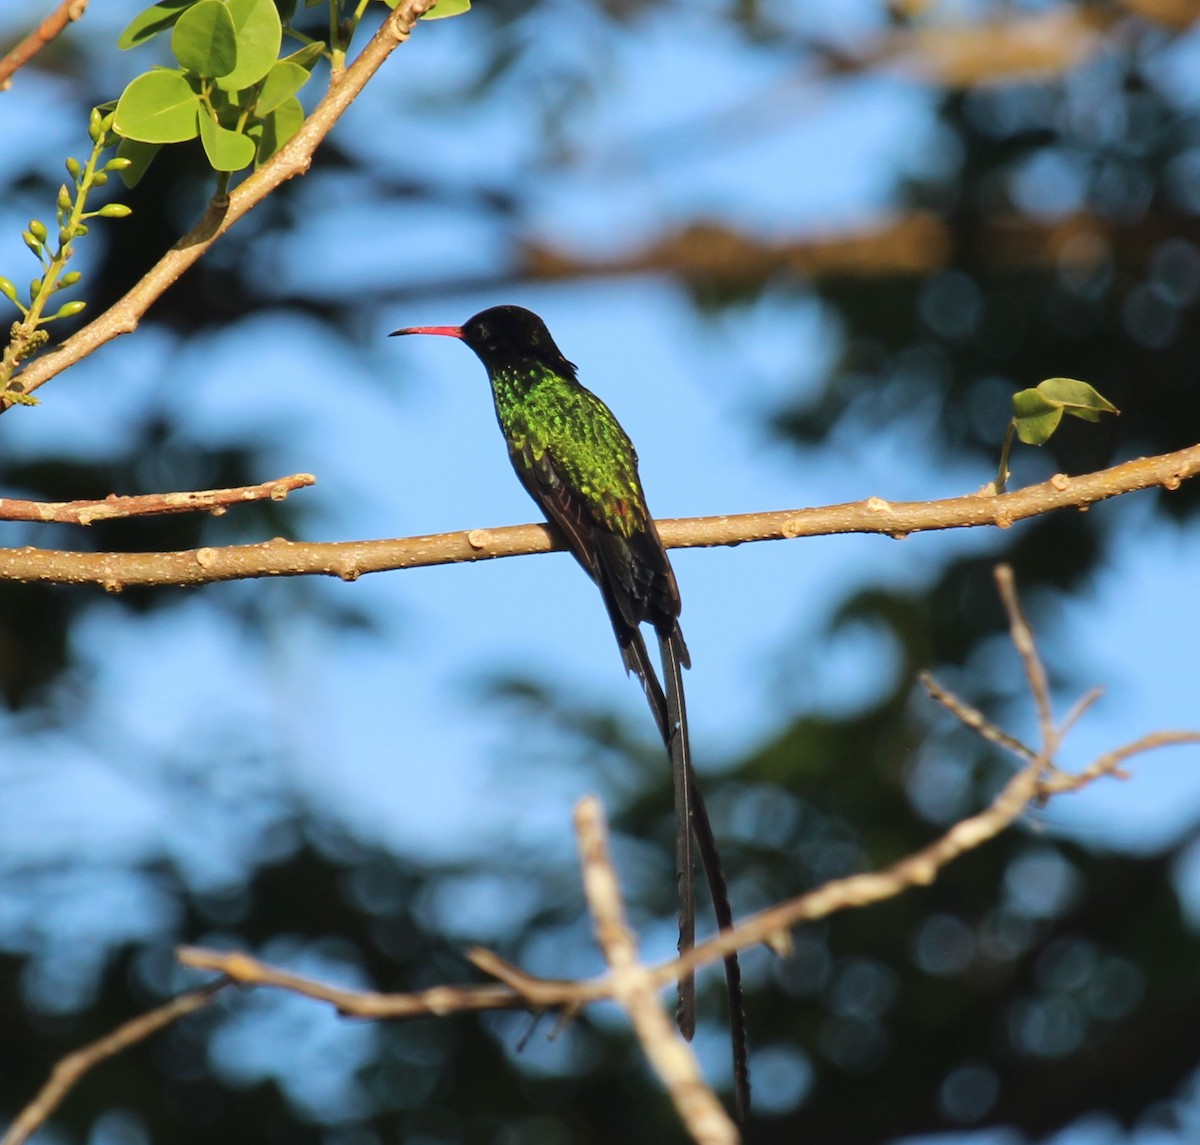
(157, 107)
(259, 37)
(444, 9)
(283, 81)
(204, 40)
(147, 24)
(1039, 411)
(277, 128)
(226, 150)
(139, 156)
(1036, 419)
(1076, 398)
(307, 55)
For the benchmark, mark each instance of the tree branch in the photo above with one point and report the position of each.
(517, 991)
(633, 987)
(215, 501)
(293, 159)
(351, 559)
(70, 1069)
(920, 868)
(18, 56)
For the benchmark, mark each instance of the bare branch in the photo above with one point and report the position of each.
(351, 559)
(635, 988)
(1110, 762)
(17, 57)
(974, 718)
(918, 869)
(70, 1069)
(1035, 672)
(216, 501)
(531, 993)
(900, 244)
(293, 159)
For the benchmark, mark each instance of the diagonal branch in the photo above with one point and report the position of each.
(293, 159)
(18, 56)
(215, 501)
(351, 559)
(70, 1069)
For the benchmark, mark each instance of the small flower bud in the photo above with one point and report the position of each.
(38, 230)
(65, 202)
(99, 179)
(8, 289)
(31, 241)
(70, 309)
(120, 163)
(94, 127)
(35, 288)
(73, 167)
(70, 278)
(114, 211)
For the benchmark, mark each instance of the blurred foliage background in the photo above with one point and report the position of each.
(1039, 218)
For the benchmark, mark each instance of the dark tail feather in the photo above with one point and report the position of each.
(669, 717)
(674, 656)
(637, 660)
(715, 877)
(683, 778)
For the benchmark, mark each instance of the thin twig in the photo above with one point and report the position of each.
(1110, 763)
(70, 1069)
(247, 971)
(352, 559)
(216, 501)
(635, 988)
(1035, 671)
(974, 718)
(18, 56)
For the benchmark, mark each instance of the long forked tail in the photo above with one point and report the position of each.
(670, 713)
(670, 720)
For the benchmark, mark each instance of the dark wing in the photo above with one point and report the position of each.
(633, 573)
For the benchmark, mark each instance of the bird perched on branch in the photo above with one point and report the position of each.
(578, 464)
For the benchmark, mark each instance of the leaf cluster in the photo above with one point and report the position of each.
(231, 89)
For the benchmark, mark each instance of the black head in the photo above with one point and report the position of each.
(502, 335)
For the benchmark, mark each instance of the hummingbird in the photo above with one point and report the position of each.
(574, 459)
